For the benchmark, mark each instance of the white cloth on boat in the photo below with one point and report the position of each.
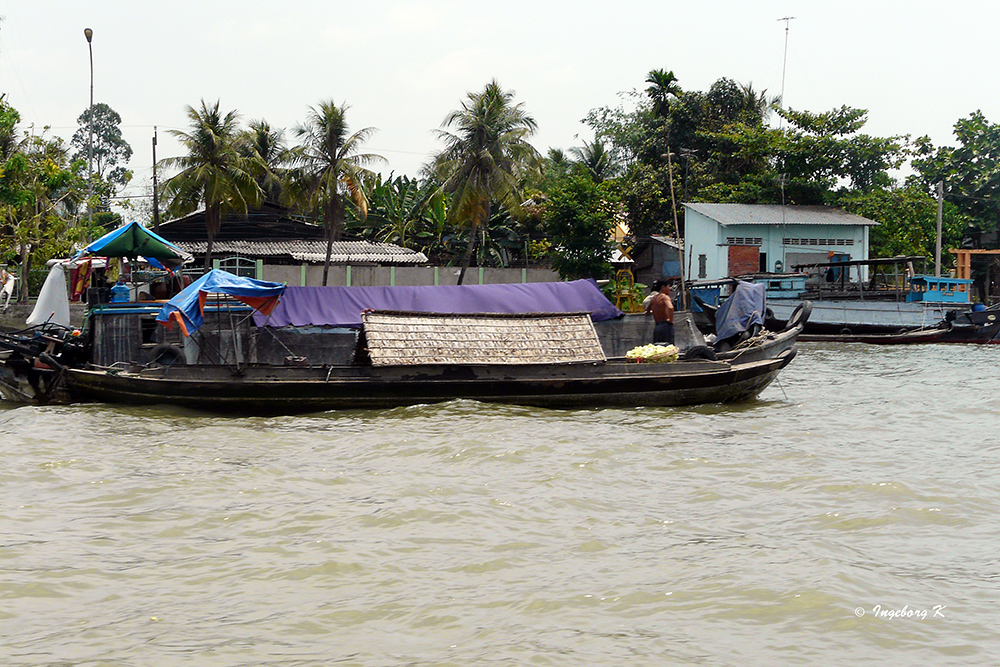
(53, 300)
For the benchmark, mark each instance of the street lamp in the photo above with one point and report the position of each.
(89, 34)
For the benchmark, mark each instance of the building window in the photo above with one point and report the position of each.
(702, 266)
(241, 266)
(744, 240)
(834, 242)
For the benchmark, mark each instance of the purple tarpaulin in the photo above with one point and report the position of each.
(342, 306)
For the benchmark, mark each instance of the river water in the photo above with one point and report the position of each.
(848, 515)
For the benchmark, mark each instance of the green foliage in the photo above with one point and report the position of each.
(266, 145)
(110, 150)
(724, 151)
(579, 220)
(330, 170)
(970, 171)
(410, 213)
(645, 194)
(594, 160)
(907, 218)
(39, 192)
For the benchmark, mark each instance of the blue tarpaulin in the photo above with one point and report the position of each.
(744, 308)
(342, 306)
(188, 306)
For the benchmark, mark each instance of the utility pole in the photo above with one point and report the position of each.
(156, 198)
(89, 34)
(940, 216)
(677, 232)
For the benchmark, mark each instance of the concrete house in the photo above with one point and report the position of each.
(723, 240)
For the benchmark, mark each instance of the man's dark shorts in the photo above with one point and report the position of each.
(663, 332)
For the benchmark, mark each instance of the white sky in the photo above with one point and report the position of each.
(918, 67)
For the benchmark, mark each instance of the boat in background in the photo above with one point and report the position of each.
(901, 309)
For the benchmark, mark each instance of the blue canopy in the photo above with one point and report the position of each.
(744, 308)
(187, 308)
(342, 306)
(133, 240)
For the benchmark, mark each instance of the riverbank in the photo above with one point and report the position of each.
(13, 319)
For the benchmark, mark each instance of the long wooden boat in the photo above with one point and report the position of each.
(916, 337)
(395, 358)
(272, 389)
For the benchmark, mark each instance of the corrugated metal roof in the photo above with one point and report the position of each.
(314, 251)
(766, 214)
(666, 240)
(408, 339)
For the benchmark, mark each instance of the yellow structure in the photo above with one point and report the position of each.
(963, 260)
(626, 298)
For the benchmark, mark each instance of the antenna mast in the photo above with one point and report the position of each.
(784, 62)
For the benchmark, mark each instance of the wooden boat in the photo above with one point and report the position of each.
(393, 358)
(276, 389)
(545, 360)
(930, 310)
(916, 337)
(31, 361)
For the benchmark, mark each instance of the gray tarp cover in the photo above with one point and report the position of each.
(744, 308)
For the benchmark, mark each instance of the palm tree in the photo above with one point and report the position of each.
(267, 145)
(756, 107)
(213, 173)
(662, 87)
(330, 168)
(594, 157)
(485, 158)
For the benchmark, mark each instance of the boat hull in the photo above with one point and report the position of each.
(26, 384)
(857, 317)
(890, 323)
(260, 389)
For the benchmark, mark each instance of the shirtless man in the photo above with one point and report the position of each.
(662, 308)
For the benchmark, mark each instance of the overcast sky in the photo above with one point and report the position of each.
(917, 67)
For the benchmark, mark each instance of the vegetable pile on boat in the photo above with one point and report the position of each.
(653, 354)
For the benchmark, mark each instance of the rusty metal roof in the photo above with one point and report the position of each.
(767, 214)
(311, 251)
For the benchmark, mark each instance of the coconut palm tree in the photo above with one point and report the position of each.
(756, 107)
(267, 144)
(213, 174)
(594, 157)
(485, 158)
(330, 170)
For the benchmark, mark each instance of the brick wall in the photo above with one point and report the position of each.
(743, 259)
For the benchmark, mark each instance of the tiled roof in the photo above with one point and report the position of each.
(312, 251)
(767, 214)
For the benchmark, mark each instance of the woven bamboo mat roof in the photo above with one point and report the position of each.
(405, 339)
